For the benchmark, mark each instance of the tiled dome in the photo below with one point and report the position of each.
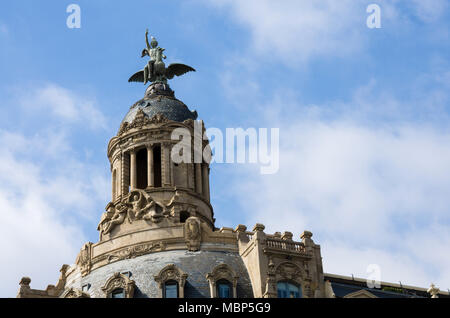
(160, 99)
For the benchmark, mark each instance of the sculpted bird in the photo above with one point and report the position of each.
(155, 70)
(174, 69)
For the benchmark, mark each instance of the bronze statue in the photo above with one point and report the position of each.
(155, 71)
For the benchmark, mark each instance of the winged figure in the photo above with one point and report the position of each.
(156, 70)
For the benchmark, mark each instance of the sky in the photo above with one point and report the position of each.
(363, 115)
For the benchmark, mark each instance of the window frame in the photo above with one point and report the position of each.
(115, 292)
(226, 282)
(118, 281)
(171, 273)
(219, 273)
(289, 283)
(171, 282)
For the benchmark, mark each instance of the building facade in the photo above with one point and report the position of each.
(158, 238)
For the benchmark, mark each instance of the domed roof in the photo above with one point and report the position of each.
(160, 99)
(142, 270)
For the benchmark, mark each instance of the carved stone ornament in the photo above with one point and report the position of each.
(116, 215)
(193, 233)
(75, 293)
(189, 123)
(329, 292)
(289, 271)
(135, 251)
(171, 272)
(286, 271)
(143, 207)
(141, 120)
(138, 205)
(271, 282)
(223, 271)
(117, 281)
(433, 291)
(175, 198)
(84, 259)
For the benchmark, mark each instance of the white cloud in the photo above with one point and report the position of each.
(359, 187)
(298, 30)
(46, 192)
(63, 104)
(368, 178)
(293, 32)
(429, 11)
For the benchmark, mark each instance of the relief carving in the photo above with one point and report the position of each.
(220, 272)
(113, 217)
(140, 120)
(119, 281)
(138, 205)
(135, 251)
(289, 271)
(193, 235)
(84, 259)
(142, 206)
(75, 293)
(171, 272)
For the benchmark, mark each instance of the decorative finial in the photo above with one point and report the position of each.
(433, 291)
(155, 71)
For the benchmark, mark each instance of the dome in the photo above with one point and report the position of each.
(143, 269)
(160, 99)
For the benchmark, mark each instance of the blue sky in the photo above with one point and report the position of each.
(363, 117)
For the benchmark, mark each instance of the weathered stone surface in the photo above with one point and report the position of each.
(170, 107)
(143, 269)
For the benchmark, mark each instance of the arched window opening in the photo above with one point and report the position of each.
(224, 289)
(184, 215)
(171, 281)
(157, 165)
(223, 282)
(141, 163)
(119, 286)
(288, 290)
(118, 293)
(171, 289)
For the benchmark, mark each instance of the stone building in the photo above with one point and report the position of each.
(158, 236)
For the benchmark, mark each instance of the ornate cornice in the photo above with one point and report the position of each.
(141, 120)
(134, 251)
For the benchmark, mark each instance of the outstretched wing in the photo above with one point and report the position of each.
(137, 77)
(178, 70)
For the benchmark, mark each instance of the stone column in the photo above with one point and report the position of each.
(133, 170)
(213, 289)
(198, 178)
(150, 172)
(205, 175)
(124, 175)
(114, 185)
(165, 164)
(235, 289)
